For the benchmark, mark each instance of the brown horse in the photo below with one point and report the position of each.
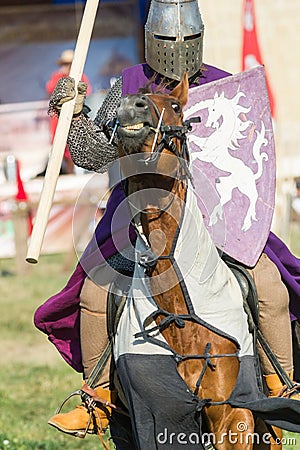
(154, 158)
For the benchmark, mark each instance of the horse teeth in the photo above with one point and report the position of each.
(136, 127)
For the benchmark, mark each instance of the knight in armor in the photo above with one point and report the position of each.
(75, 318)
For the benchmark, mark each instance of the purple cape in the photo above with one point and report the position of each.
(59, 316)
(289, 268)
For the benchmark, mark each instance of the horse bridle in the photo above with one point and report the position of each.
(168, 133)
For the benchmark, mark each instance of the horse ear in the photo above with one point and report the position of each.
(182, 90)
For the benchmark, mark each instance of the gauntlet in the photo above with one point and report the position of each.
(65, 91)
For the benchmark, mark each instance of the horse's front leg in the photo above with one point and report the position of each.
(230, 428)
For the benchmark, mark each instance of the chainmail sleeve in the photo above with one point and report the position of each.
(88, 144)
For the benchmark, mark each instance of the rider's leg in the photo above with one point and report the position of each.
(296, 348)
(93, 334)
(274, 321)
(93, 328)
(274, 318)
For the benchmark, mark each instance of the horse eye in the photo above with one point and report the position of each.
(176, 107)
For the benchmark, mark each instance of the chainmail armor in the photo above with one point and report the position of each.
(123, 262)
(89, 146)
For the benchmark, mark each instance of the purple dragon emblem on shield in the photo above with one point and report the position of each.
(233, 147)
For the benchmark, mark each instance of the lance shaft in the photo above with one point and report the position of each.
(61, 134)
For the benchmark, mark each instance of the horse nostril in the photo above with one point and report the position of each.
(141, 103)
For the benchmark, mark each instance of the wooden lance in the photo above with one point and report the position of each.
(60, 139)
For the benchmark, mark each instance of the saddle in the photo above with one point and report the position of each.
(248, 288)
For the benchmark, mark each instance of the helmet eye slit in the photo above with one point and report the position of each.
(164, 38)
(192, 37)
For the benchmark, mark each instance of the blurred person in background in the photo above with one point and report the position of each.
(64, 65)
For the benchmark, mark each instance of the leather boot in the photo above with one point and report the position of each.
(277, 389)
(81, 420)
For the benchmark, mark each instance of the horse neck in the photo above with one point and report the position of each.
(160, 221)
(192, 248)
(161, 226)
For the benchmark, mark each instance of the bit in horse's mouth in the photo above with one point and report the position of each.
(136, 127)
(133, 131)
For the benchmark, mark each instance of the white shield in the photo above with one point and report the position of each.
(233, 161)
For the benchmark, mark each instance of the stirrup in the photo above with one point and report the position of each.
(79, 434)
(90, 405)
(287, 392)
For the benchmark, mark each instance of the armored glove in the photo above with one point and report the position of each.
(65, 91)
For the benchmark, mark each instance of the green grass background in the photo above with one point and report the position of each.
(34, 379)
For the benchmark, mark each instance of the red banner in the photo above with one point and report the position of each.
(251, 56)
(21, 195)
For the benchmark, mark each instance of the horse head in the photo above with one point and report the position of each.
(150, 125)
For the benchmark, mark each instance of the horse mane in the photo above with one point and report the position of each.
(151, 87)
(159, 84)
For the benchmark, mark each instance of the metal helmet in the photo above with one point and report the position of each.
(174, 37)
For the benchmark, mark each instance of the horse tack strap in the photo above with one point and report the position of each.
(157, 129)
(178, 319)
(274, 361)
(99, 367)
(207, 363)
(91, 393)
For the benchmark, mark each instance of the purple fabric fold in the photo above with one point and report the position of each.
(138, 76)
(289, 268)
(59, 316)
